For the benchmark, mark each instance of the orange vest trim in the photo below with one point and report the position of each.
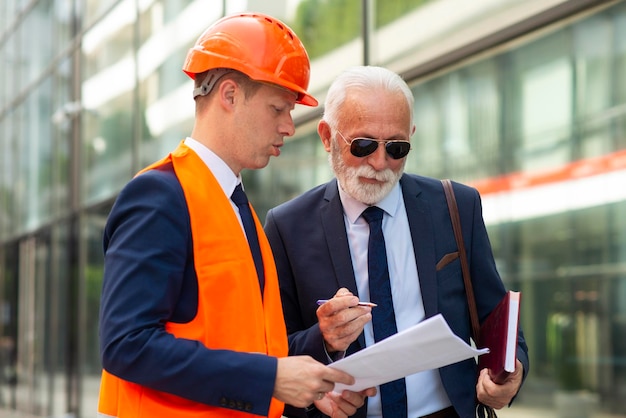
(226, 283)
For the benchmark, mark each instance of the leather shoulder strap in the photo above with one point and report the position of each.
(458, 236)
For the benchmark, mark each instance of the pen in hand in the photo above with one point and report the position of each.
(370, 304)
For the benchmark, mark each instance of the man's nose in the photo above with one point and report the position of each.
(378, 159)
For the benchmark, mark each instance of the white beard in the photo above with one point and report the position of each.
(349, 178)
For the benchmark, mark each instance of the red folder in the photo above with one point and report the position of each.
(499, 334)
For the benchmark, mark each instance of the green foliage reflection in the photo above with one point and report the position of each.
(323, 25)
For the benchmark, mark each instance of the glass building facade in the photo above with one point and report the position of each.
(523, 99)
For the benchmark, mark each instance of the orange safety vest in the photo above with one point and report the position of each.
(226, 281)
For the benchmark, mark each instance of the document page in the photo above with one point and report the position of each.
(428, 345)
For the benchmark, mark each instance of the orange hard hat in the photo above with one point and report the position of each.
(258, 45)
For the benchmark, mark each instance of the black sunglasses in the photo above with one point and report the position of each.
(362, 147)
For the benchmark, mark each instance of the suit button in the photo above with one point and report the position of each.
(240, 405)
(232, 404)
(248, 406)
(223, 401)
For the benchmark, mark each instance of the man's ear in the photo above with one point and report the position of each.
(227, 92)
(324, 131)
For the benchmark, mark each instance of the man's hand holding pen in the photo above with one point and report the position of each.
(341, 320)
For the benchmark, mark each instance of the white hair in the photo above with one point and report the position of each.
(363, 78)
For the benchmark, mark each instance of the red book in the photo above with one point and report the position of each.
(499, 334)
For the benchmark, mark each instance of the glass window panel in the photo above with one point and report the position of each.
(110, 42)
(619, 24)
(7, 174)
(457, 119)
(64, 13)
(391, 21)
(37, 26)
(58, 319)
(303, 164)
(593, 46)
(484, 116)
(19, 151)
(13, 65)
(61, 138)
(331, 33)
(37, 157)
(95, 9)
(545, 76)
(546, 115)
(28, 157)
(426, 154)
(575, 285)
(91, 236)
(455, 131)
(592, 43)
(324, 25)
(107, 93)
(6, 10)
(12, 139)
(107, 148)
(32, 338)
(387, 11)
(619, 81)
(166, 105)
(8, 324)
(455, 112)
(547, 103)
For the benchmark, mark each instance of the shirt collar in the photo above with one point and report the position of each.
(223, 174)
(353, 208)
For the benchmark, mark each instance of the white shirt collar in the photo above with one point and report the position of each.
(353, 208)
(224, 175)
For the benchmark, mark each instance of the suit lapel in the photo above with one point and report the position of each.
(336, 238)
(337, 241)
(422, 235)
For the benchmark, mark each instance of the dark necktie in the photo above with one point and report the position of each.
(241, 200)
(392, 394)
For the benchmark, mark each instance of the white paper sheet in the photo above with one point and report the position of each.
(428, 345)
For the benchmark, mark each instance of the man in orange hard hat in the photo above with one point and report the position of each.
(191, 321)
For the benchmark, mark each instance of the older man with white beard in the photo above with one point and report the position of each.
(324, 243)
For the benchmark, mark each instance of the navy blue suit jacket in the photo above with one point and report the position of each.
(310, 245)
(150, 279)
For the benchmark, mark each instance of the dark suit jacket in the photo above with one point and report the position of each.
(310, 245)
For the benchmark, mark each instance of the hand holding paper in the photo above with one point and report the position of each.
(428, 345)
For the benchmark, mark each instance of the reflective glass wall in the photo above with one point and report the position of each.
(539, 128)
(525, 100)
